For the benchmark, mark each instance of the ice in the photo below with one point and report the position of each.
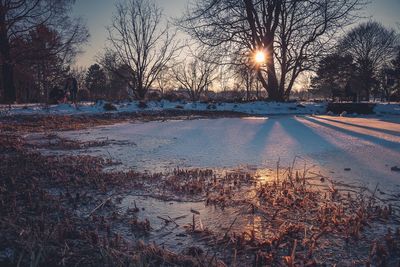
(368, 146)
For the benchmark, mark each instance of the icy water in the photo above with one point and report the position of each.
(358, 151)
(369, 147)
(174, 235)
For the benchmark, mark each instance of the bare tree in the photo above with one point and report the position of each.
(246, 76)
(196, 75)
(121, 77)
(372, 46)
(292, 33)
(387, 86)
(79, 73)
(165, 80)
(141, 42)
(19, 17)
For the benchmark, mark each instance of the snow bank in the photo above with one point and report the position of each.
(387, 109)
(251, 108)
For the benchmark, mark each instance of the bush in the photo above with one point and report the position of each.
(142, 104)
(172, 96)
(83, 95)
(56, 95)
(351, 108)
(211, 106)
(109, 107)
(154, 96)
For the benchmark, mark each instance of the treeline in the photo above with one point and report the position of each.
(365, 64)
(39, 40)
(146, 58)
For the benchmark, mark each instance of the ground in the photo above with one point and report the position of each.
(200, 187)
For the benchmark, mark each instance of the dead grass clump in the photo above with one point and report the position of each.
(43, 200)
(56, 142)
(302, 222)
(151, 255)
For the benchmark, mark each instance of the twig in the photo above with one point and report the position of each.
(194, 211)
(172, 220)
(193, 224)
(226, 234)
(99, 206)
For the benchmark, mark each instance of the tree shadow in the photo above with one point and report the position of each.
(260, 140)
(389, 120)
(307, 139)
(391, 132)
(372, 139)
(329, 155)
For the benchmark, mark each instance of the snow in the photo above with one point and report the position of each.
(254, 108)
(384, 109)
(369, 146)
(251, 108)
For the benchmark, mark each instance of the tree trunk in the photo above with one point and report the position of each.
(248, 90)
(272, 85)
(257, 85)
(8, 83)
(141, 93)
(140, 89)
(7, 69)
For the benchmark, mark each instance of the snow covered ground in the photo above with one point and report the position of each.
(383, 109)
(251, 108)
(368, 146)
(256, 108)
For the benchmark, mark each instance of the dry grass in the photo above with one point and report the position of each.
(39, 225)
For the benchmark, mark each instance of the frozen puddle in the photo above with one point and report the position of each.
(174, 234)
(368, 146)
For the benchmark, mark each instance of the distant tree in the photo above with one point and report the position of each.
(141, 42)
(18, 18)
(38, 65)
(120, 82)
(79, 73)
(293, 34)
(24, 82)
(245, 75)
(334, 76)
(96, 82)
(387, 85)
(165, 80)
(372, 46)
(44, 57)
(196, 75)
(396, 67)
(120, 77)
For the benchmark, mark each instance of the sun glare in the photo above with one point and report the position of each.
(260, 57)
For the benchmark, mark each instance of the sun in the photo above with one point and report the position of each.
(260, 57)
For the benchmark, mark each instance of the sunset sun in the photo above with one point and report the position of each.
(260, 57)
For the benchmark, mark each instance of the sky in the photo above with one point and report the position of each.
(98, 14)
